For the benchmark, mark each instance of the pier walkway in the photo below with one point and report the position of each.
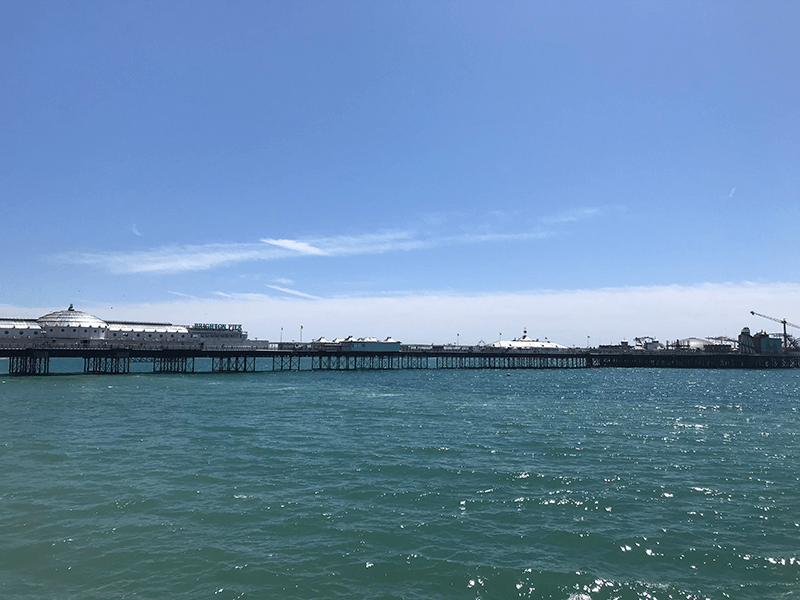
(116, 358)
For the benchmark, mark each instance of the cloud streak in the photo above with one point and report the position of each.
(175, 259)
(296, 246)
(293, 292)
(571, 216)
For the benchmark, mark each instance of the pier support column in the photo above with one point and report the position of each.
(286, 362)
(173, 364)
(34, 364)
(106, 365)
(233, 364)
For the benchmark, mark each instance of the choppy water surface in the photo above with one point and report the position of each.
(437, 484)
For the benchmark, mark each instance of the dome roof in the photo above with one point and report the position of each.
(526, 342)
(18, 323)
(71, 318)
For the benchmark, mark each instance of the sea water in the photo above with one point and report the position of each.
(573, 484)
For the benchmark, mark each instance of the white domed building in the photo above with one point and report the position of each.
(526, 343)
(72, 324)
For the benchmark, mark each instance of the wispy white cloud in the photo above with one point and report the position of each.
(570, 216)
(293, 292)
(135, 230)
(242, 297)
(176, 259)
(190, 258)
(478, 238)
(373, 243)
(296, 246)
(181, 294)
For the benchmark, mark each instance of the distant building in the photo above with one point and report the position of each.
(760, 343)
(71, 324)
(526, 343)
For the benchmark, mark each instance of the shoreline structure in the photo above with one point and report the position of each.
(109, 347)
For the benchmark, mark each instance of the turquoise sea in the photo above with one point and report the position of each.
(582, 484)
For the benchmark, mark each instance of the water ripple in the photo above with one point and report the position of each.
(568, 485)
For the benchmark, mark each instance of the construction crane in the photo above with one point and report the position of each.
(784, 322)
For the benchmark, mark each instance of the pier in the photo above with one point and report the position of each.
(116, 358)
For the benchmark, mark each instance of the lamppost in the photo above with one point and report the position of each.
(587, 341)
(281, 334)
(301, 334)
(458, 335)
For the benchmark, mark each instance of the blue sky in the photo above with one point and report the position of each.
(415, 169)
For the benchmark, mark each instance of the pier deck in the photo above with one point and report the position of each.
(105, 358)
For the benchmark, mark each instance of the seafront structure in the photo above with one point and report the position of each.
(75, 325)
(111, 346)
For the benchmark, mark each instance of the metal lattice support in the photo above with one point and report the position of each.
(233, 364)
(325, 363)
(285, 362)
(507, 362)
(414, 361)
(112, 360)
(29, 365)
(173, 364)
(106, 365)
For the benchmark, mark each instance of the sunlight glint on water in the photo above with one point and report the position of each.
(435, 484)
